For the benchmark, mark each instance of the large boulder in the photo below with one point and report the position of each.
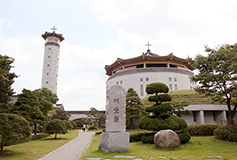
(166, 139)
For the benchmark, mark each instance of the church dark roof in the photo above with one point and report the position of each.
(145, 60)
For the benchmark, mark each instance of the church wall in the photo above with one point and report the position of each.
(141, 78)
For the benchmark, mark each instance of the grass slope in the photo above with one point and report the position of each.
(207, 147)
(190, 96)
(38, 148)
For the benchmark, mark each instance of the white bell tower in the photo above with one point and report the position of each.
(51, 60)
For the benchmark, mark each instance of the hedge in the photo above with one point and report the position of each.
(201, 129)
(228, 132)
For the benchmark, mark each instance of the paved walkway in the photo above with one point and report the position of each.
(73, 149)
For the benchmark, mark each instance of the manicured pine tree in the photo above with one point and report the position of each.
(134, 108)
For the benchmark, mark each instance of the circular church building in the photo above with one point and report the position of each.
(148, 68)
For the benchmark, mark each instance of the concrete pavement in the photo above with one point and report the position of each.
(73, 149)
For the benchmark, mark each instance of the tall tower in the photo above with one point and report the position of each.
(51, 60)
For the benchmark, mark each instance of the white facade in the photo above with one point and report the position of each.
(207, 114)
(51, 61)
(139, 78)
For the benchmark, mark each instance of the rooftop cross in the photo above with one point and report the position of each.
(54, 28)
(148, 44)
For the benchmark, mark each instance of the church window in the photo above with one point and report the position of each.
(47, 73)
(48, 65)
(170, 86)
(147, 79)
(117, 83)
(141, 79)
(141, 89)
(170, 79)
(49, 48)
(46, 82)
(214, 116)
(194, 116)
(175, 79)
(121, 82)
(175, 87)
(48, 56)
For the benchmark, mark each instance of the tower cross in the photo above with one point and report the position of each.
(54, 28)
(148, 44)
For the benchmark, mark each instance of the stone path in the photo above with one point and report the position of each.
(73, 149)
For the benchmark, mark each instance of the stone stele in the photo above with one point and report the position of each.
(166, 139)
(115, 138)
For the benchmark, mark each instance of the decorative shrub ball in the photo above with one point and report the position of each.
(184, 137)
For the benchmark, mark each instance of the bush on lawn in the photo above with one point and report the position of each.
(148, 138)
(228, 132)
(135, 135)
(184, 137)
(201, 129)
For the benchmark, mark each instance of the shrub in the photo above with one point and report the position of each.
(135, 135)
(13, 128)
(228, 132)
(201, 129)
(56, 126)
(152, 123)
(156, 124)
(184, 137)
(157, 109)
(73, 123)
(68, 124)
(92, 127)
(148, 138)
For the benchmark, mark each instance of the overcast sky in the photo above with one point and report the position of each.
(96, 32)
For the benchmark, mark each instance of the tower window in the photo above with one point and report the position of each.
(175, 79)
(117, 83)
(147, 79)
(48, 65)
(170, 79)
(47, 73)
(141, 79)
(50, 39)
(121, 82)
(49, 48)
(46, 82)
(48, 56)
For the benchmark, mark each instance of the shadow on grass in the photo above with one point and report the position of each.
(57, 139)
(9, 153)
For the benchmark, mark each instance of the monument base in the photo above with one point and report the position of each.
(114, 141)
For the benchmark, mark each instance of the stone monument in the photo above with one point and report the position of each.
(115, 138)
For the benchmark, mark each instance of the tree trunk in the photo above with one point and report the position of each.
(2, 147)
(231, 112)
(35, 129)
(131, 123)
(231, 117)
(55, 136)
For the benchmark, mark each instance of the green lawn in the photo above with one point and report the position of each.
(37, 148)
(189, 96)
(207, 147)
